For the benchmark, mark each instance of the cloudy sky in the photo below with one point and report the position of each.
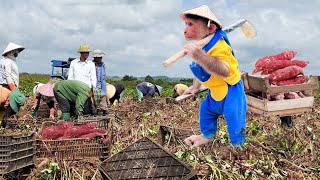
(137, 35)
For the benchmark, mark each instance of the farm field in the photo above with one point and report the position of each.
(271, 151)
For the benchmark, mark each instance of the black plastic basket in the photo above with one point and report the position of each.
(145, 159)
(16, 151)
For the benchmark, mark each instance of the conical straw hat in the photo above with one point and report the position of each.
(180, 88)
(12, 46)
(111, 90)
(203, 11)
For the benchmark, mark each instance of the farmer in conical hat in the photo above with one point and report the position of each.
(9, 70)
(115, 93)
(179, 90)
(82, 69)
(44, 92)
(10, 103)
(215, 67)
(147, 89)
(101, 78)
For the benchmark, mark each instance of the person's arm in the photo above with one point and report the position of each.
(93, 75)
(7, 75)
(194, 89)
(211, 64)
(71, 72)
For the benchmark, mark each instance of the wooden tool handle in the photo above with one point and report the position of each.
(181, 53)
(174, 58)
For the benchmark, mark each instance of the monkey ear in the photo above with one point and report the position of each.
(212, 28)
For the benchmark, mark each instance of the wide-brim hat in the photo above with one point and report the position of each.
(203, 11)
(111, 90)
(46, 90)
(97, 53)
(84, 48)
(180, 88)
(16, 100)
(159, 89)
(12, 46)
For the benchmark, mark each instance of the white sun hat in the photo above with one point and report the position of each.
(203, 11)
(98, 53)
(12, 46)
(111, 90)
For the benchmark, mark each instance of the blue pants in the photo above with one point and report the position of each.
(233, 107)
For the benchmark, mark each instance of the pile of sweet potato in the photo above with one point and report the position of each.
(68, 130)
(281, 69)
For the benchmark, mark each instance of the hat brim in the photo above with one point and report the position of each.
(46, 90)
(98, 56)
(111, 90)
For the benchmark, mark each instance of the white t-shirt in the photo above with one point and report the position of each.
(83, 71)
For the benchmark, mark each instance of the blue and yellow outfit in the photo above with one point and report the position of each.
(226, 96)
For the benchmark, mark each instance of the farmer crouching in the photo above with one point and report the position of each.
(147, 89)
(73, 95)
(43, 92)
(179, 90)
(10, 103)
(115, 93)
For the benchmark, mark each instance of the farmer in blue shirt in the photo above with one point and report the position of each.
(147, 89)
(101, 78)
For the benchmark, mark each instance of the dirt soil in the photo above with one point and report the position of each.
(271, 150)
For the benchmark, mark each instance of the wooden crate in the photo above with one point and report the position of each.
(287, 107)
(255, 83)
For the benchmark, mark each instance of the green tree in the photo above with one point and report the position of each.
(148, 78)
(128, 78)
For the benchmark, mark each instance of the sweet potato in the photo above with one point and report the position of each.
(77, 131)
(300, 63)
(285, 55)
(286, 73)
(291, 95)
(54, 132)
(91, 135)
(276, 97)
(294, 80)
(274, 65)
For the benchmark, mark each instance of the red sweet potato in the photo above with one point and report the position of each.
(294, 80)
(91, 135)
(285, 55)
(285, 73)
(273, 65)
(300, 63)
(77, 131)
(54, 132)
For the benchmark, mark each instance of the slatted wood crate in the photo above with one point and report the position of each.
(258, 88)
